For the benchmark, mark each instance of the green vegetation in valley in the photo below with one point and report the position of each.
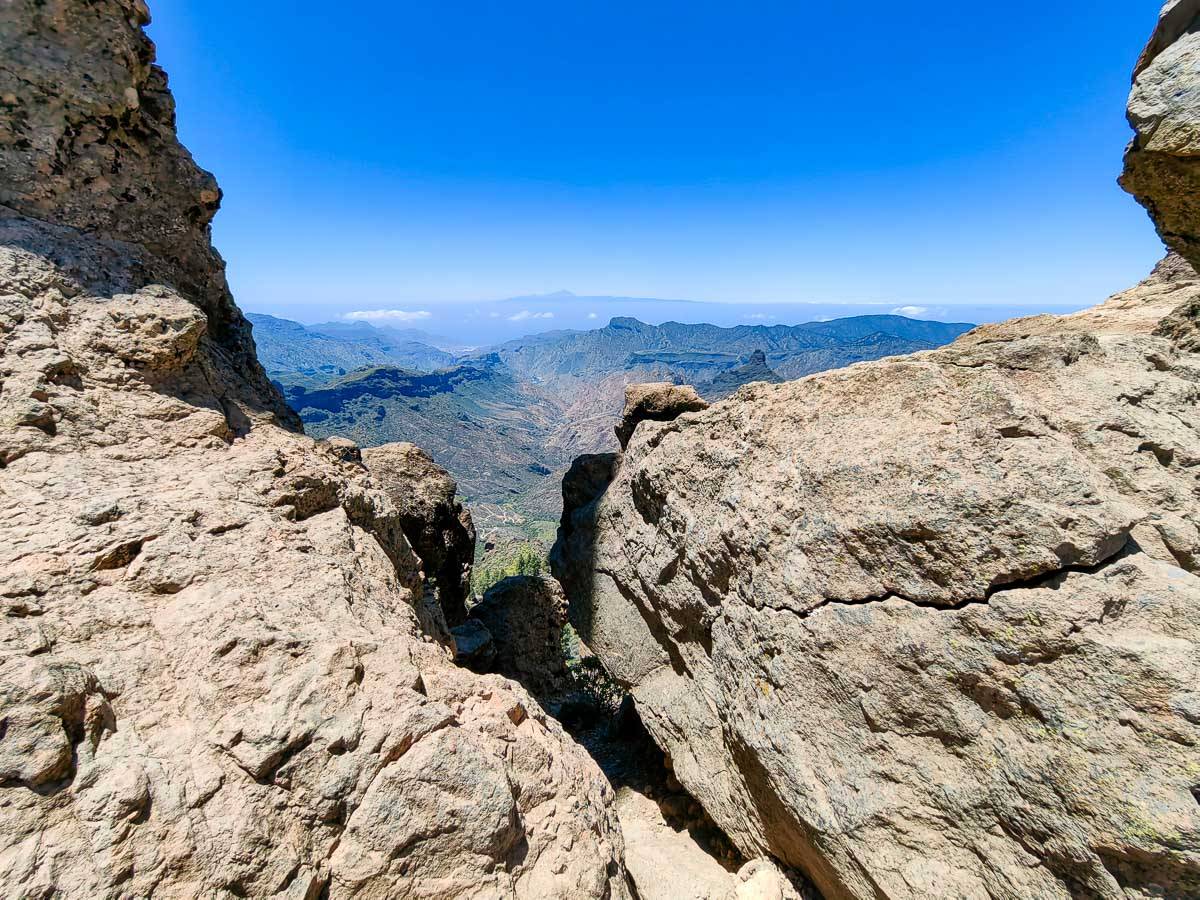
(524, 559)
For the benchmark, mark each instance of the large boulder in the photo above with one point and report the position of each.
(929, 626)
(525, 615)
(435, 522)
(1162, 164)
(218, 677)
(583, 484)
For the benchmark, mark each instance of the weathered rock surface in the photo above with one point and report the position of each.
(583, 484)
(87, 140)
(928, 627)
(659, 401)
(1162, 165)
(437, 526)
(525, 615)
(218, 677)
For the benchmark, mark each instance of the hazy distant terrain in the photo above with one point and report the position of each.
(488, 427)
(506, 422)
(297, 354)
(698, 352)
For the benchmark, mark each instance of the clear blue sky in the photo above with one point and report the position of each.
(945, 155)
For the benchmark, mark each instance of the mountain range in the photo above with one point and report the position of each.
(313, 355)
(699, 352)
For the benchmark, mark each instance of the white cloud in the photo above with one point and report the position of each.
(823, 319)
(388, 315)
(757, 316)
(593, 315)
(526, 314)
(493, 315)
(910, 310)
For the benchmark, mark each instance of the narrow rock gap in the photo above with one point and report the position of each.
(664, 826)
(669, 837)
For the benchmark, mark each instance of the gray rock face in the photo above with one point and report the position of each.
(437, 526)
(656, 402)
(218, 676)
(1162, 165)
(928, 627)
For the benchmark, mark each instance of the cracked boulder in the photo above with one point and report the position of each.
(524, 616)
(928, 626)
(219, 672)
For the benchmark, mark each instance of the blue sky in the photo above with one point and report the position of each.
(955, 158)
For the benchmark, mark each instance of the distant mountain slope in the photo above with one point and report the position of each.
(859, 349)
(698, 350)
(368, 330)
(295, 354)
(488, 428)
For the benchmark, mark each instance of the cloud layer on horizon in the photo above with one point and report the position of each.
(388, 315)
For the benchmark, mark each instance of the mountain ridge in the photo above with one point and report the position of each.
(580, 353)
(298, 354)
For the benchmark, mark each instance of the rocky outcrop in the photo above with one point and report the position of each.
(87, 141)
(473, 646)
(755, 369)
(928, 627)
(525, 615)
(436, 524)
(218, 676)
(659, 401)
(1162, 164)
(582, 486)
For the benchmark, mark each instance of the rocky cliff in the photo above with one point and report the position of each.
(930, 626)
(220, 675)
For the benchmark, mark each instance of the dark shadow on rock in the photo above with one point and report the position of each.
(573, 556)
(438, 527)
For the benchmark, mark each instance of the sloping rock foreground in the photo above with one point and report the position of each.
(218, 674)
(930, 626)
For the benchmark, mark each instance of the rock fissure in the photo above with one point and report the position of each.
(1039, 580)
